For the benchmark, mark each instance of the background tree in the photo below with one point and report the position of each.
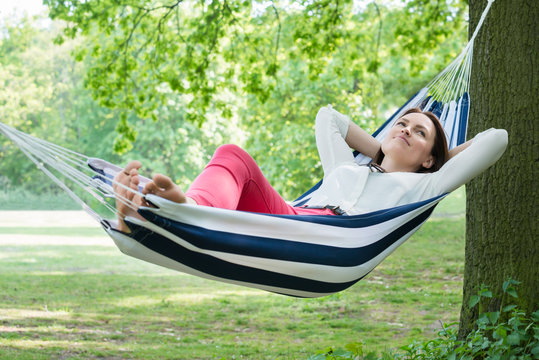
(502, 203)
(43, 94)
(266, 66)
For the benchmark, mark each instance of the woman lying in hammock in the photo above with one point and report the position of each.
(411, 164)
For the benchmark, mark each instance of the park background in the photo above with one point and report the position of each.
(67, 292)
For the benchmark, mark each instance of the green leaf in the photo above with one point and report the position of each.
(499, 333)
(508, 284)
(511, 291)
(486, 293)
(513, 339)
(493, 317)
(58, 40)
(509, 308)
(482, 320)
(474, 300)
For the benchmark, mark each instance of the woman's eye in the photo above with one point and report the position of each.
(400, 123)
(421, 133)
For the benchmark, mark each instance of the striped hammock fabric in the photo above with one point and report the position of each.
(300, 255)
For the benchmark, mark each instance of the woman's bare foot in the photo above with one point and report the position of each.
(164, 187)
(160, 185)
(128, 177)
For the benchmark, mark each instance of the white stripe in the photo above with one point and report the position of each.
(310, 271)
(133, 248)
(450, 122)
(331, 274)
(260, 225)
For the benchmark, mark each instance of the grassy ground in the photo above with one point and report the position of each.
(19, 199)
(79, 297)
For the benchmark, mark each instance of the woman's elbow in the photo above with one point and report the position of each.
(323, 115)
(504, 137)
(499, 140)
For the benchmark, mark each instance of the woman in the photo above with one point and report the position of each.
(411, 164)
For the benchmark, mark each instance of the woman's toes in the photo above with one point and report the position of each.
(150, 188)
(164, 182)
(124, 176)
(135, 164)
(134, 181)
(164, 187)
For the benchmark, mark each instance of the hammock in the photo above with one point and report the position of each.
(295, 255)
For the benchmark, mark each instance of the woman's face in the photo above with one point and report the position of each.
(409, 143)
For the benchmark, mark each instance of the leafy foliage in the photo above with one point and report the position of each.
(504, 334)
(43, 94)
(213, 72)
(212, 52)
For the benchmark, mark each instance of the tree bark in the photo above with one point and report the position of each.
(501, 218)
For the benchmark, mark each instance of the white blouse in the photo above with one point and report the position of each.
(356, 190)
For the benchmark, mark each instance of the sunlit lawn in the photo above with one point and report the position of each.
(80, 297)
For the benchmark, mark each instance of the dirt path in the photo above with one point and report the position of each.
(49, 219)
(41, 219)
(46, 240)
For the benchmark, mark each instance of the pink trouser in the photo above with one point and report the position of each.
(233, 180)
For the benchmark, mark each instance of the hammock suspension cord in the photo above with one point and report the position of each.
(51, 158)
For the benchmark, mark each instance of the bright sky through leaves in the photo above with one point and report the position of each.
(32, 7)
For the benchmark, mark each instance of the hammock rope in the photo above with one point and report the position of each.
(73, 166)
(306, 256)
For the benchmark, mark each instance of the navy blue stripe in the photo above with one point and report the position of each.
(361, 220)
(285, 250)
(303, 202)
(437, 108)
(224, 269)
(315, 187)
(432, 106)
(424, 103)
(463, 120)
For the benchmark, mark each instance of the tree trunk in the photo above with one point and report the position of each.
(501, 218)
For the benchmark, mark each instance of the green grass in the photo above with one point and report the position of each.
(81, 301)
(454, 205)
(77, 301)
(20, 199)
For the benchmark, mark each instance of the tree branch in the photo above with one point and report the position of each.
(278, 34)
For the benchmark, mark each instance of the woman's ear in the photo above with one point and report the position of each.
(429, 162)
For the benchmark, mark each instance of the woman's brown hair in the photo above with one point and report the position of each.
(439, 151)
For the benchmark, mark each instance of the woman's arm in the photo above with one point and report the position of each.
(331, 128)
(336, 134)
(359, 140)
(473, 157)
(459, 148)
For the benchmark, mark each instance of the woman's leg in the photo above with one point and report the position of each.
(233, 180)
